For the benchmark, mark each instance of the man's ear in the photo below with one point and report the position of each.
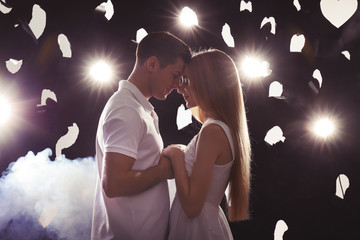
(152, 64)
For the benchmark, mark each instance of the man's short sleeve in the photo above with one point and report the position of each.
(122, 131)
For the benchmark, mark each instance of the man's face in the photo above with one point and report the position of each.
(166, 79)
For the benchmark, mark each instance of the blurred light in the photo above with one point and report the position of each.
(297, 43)
(254, 68)
(188, 17)
(275, 89)
(323, 127)
(245, 6)
(5, 110)
(226, 34)
(101, 71)
(140, 34)
(274, 135)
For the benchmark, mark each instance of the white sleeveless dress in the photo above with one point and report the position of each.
(211, 223)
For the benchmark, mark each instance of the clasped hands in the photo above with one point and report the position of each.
(174, 152)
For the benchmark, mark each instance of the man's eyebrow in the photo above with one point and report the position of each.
(178, 73)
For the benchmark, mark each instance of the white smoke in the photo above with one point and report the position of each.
(45, 199)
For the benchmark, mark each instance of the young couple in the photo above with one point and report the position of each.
(132, 197)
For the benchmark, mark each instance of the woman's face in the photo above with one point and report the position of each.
(185, 90)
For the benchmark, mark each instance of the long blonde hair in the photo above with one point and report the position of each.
(216, 87)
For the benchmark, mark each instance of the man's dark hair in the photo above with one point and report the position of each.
(165, 46)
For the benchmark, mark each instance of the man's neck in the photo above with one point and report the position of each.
(140, 81)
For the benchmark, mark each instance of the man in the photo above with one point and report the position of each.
(131, 196)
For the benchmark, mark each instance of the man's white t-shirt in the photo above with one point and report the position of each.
(129, 125)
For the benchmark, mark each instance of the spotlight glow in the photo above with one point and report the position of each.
(101, 71)
(188, 17)
(324, 127)
(5, 110)
(254, 68)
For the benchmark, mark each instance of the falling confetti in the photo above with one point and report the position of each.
(275, 89)
(297, 5)
(226, 34)
(342, 184)
(4, 9)
(183, 118)
(38, 21)
(45, 94)
(64, 45)
(108, 8)
(317, 76)
(245, 6)
(270, 20)
(274, 135)
(140, 34)
(346, 54)
(280, 229)
(297, 43)
(67, 140)
(13, 65)
(338, 12)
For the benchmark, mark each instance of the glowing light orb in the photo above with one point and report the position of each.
(254, 68)
(324, 127)
(188, 17)
(5, 110)
(101, 72)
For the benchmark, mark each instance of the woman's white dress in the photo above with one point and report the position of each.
(211, 223)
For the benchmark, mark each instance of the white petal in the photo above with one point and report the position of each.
(226, 34)
(274, 135)
(13, 65)
(67, 140)
(38, 21)
(338, 12)
(184, 117)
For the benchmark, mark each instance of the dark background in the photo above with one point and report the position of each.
(292, 180)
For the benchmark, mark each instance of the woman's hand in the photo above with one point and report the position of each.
(174, 152)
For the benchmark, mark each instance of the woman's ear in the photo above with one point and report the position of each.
(152, 63)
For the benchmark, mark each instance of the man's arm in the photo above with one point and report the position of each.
(119, 180)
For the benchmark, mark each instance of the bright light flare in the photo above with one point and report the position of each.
(324, 127)
(188, 17)
(254, 68)
(101, 71)
(5, 110)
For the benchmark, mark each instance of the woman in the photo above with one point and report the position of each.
(219, 155)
